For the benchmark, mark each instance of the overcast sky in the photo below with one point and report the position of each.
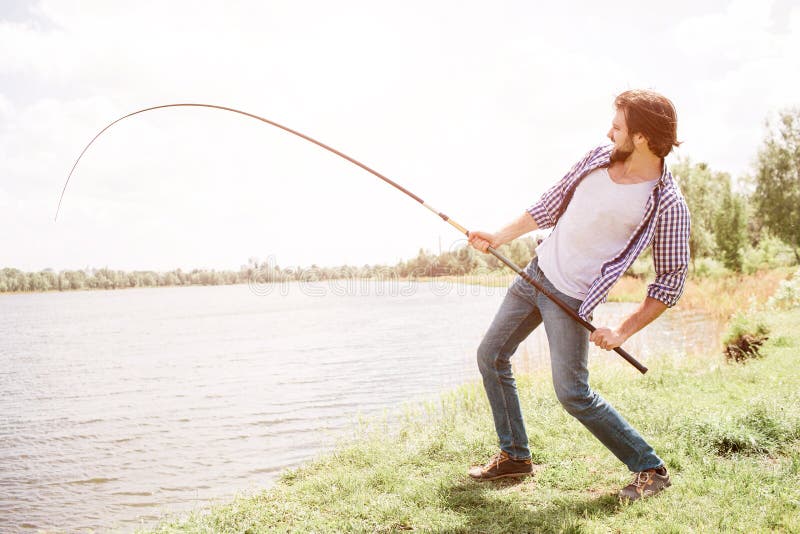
(474, 106)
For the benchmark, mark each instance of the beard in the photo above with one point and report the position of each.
(621, 154)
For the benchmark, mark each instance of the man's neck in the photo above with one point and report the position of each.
(641, 167)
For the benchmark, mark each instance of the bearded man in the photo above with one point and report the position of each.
(614, 203)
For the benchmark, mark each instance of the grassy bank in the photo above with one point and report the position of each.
(720, 296)
(730, 435)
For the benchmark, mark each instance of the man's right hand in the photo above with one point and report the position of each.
(483, 240)
(519, 226)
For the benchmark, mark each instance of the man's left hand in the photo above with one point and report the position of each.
(607, 339)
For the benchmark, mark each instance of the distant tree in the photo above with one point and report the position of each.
(52, 279)
(777, 193)
(422, 265)
(148, 279)
(519, 252)
(468, 259)
(704, 191)
(77, 279)
(38, 282)
(730, 229)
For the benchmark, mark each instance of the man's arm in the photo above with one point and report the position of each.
(519, 226)
(671, 261)
(608, 339)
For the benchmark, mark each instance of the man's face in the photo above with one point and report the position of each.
(623, 145)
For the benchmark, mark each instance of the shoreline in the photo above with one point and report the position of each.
(719, 296)
(495, 280)
(717, 449)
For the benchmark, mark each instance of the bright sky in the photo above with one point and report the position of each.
(474, 106)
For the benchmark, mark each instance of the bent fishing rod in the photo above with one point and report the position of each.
(495, 253)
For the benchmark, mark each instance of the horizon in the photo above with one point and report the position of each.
(271, 261)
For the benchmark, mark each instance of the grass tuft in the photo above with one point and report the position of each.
(763, 429)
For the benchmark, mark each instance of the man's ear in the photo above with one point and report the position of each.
(639, 141)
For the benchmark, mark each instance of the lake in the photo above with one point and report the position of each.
(120, 406)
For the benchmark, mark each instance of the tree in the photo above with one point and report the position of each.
(519, 252)
(704, 191)
(730, 230)
(777, 194)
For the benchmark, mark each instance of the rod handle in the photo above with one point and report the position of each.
(630, 359)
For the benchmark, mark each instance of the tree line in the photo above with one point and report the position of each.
(14, 280)
(745, 226)
(757, 224)
(463, 260)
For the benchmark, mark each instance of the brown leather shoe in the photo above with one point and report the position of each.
(645, 484)
(500, 466)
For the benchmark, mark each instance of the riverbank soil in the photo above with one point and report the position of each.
(729, 433)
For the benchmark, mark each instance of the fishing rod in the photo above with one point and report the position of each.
(495, 253)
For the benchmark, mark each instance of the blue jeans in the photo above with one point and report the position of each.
(523, 309)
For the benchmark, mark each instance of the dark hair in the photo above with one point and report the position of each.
(652, 115)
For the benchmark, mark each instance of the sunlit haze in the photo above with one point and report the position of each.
(476, 107)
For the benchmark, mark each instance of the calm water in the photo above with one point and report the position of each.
(118, 407)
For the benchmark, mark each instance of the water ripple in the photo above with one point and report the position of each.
(119, 406)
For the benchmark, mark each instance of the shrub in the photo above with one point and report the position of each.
(770, 253)
(708, 268)
(787, 296)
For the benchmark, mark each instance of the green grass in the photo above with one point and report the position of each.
(730, 435)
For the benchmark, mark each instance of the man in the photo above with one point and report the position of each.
(610, 206)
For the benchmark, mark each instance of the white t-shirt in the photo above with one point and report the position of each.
(597, 224)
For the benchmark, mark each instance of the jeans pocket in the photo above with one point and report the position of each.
(533, 268)
(522, 287)
(572, 303)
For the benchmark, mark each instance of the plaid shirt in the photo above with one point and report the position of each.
(665, 225)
